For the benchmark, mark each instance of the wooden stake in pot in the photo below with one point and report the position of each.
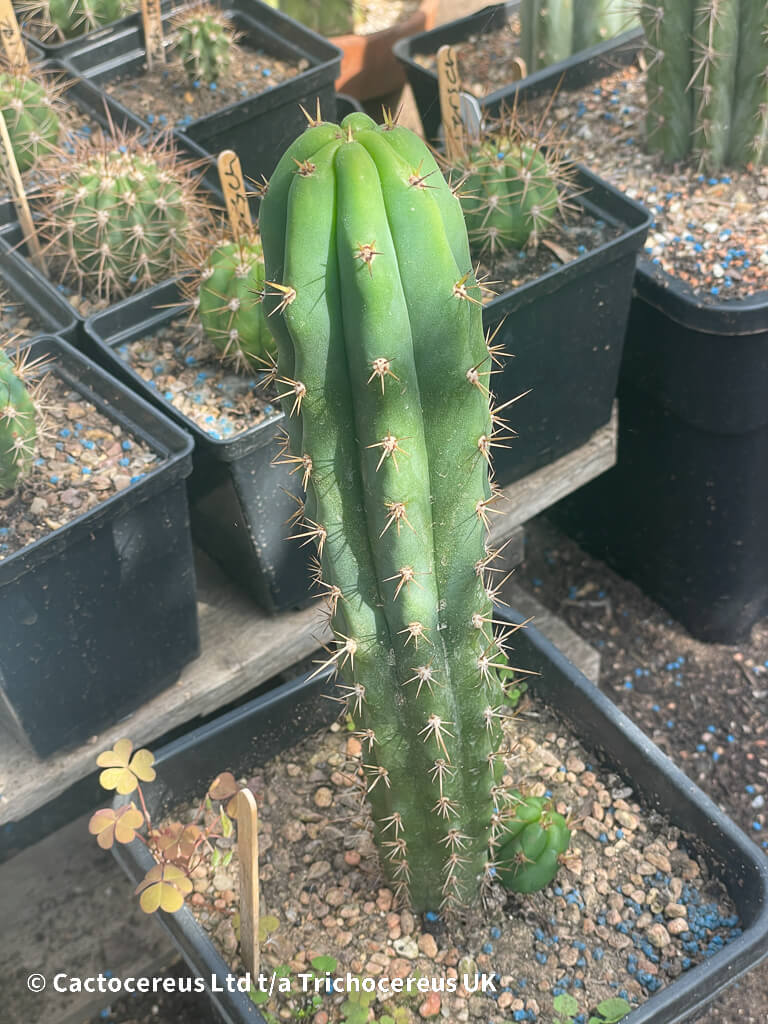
(152, 19)
(233, 187)
(18, 194)
(248, 853)
(13, 45)
(449, 86)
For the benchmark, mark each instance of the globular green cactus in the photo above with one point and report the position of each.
(229, 303)
(385, 374)
(18, 423)
(707, 80)
(67, 19)
(119, 215)
(552, 30)
(28, 105)
(535, 838)
(204, 42)
(509, 192)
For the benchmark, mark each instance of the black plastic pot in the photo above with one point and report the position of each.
(259, 128)
(423, 81)
(565, 333)
(60, 50)
(239, 502)
(100, 615)
(273, 722)
(54, 315)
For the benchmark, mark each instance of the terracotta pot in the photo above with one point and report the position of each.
(368, 66)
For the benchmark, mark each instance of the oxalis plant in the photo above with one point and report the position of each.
(386, 373)
(707, 80)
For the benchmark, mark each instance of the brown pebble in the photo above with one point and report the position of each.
(658, 936)
(677, 926)
(352, 858)
(427, 945)
(323, 797)
(431, 1006)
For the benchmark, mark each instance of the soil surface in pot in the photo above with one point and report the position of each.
(628, 912)
(82, 459)
(167, 97)
(377, 15)
(487, 61)
(182, 364)
(710, 232)
(17, 323)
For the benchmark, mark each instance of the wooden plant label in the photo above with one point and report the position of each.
(233, 187)
(248, 852)
(13, 44)
(19, 196)
(152, 20)
(518, 70)
(449, 86)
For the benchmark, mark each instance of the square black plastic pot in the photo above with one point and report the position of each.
(565, 334)
(423, 81)
(276, 720)
(240, 503)
(54, 315)
(60, 50)
(259, 128)
(100, 615)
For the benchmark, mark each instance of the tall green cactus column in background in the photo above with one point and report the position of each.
(384, 371)
(552, 30)
(707, 80)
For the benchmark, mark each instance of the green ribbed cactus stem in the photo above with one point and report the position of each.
(230, 307)
(552, 30)
(119, 216)
(328, 17)
(707, 81)
(204, 43)
(385, 372)
(30, 115)
(67, 19)
(18, 424)
(535, 838)
(509, 194)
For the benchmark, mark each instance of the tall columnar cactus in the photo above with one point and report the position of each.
(18, 424)
(229, 303)
(328, 17)
(28, 106)
(119, 215)
(66, 19)
(204, 42)
(384, 372)
(552, 30)
(707, 80)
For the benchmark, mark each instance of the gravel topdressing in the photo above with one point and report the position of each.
(486, 61)
(629, 912)
(16, 321)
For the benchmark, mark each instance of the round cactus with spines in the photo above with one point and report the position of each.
(204, 42)
(707, 80)
(28, 105)
(18, 423)
(230, 307)
(535, 838)
(120, 215)
(384, 371)
(67, 19)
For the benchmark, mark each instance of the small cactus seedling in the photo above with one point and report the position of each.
(381, 354)
(552, 30)
(707, 80)
(119, 215)
(21, 416)
(28, 104)
(204, 42)
(229, 303)
(67, 19)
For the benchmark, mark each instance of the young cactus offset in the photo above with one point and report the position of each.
(204, 42)
(229, 303)
(707, 80)
(66, 19)
(552, 30)
(120, 215)
(18, 423)
(384, 370)
(28, 105)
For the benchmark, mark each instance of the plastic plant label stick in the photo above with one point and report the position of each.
(19, 196)
(449, 86)
(152, 20)
(13, 44)
(233, 187)
(248, 852)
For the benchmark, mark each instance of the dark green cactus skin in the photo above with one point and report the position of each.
(707, 81)
(380, 340)
(508, 195)
(328, 17)
(33, 124)
(552, 30)
(18, 426)
(230, 304)
(119, 220)
(535, 838)
(204, 44)
(75, 17)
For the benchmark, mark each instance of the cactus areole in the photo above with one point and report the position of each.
(384, 372)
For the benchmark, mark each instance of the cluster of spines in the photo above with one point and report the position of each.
(22, 411)
(707, 80)
(385, 376)
(204, 40)
(67, 19)
(29, 105)
(120, 213)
